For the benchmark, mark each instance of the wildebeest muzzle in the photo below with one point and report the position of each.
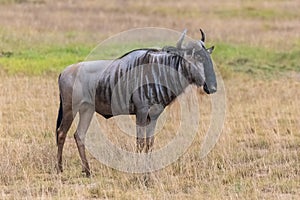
(209, 90)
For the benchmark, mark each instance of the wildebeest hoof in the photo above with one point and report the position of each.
(59, 169)
(87, 173)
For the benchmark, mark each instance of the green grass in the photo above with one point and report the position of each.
(38, 61)
(254, 60)
(228, 58)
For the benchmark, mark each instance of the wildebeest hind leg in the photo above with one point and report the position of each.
(61, 136)
(85, 117)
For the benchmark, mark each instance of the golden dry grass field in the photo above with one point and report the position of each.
(258, 153)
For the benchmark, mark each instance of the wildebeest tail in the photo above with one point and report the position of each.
(59, 117)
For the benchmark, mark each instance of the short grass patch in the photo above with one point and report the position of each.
(38, 61)
(255, 60)
(228, 58)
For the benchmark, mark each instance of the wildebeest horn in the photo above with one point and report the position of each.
(180, 41)
(202, 35)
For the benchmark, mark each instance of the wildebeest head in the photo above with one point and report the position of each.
(195, 52)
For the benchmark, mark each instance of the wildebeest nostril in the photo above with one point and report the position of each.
(210, 90)
(205, 88)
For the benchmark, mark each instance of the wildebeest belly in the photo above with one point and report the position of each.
(112, 107)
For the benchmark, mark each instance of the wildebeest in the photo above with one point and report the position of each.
(142, 82)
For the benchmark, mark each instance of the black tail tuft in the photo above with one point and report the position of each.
(59, 118)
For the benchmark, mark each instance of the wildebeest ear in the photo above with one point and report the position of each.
(180, 41)
(210, 50)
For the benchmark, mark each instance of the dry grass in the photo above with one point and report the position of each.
(257, 156)
(273, 24)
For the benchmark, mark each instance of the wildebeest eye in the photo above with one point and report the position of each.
(198, 57)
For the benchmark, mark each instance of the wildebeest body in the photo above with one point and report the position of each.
(99, 81)
(142, 82)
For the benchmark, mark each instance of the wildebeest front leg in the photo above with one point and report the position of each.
(153, 114)
(85, 117)
(150, 135)
(140, 139)
(141, 122)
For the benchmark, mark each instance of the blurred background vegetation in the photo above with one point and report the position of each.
(251, 36)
